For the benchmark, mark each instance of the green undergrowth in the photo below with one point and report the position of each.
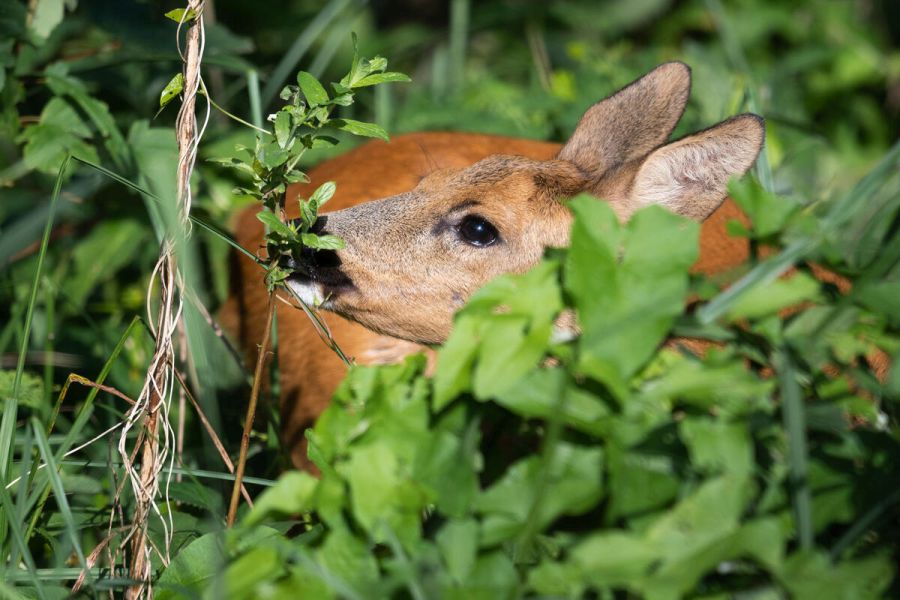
(608, 463)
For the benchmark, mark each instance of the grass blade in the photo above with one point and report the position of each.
(80, 420)
(11, 404)
(459, 33)
(56, 483)
(253, 92)
(794, 414)
(16, 527)
(9, 593)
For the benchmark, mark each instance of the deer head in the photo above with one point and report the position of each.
(413, 259)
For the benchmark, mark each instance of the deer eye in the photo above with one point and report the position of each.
(477, 231)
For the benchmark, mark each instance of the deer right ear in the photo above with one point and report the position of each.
(631, 123)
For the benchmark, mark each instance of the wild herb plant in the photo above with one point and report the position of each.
(75, 81)
(614, 464)
(302, 124)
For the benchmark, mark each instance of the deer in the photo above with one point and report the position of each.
(429, 218)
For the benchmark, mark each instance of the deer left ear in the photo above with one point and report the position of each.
(690, 176)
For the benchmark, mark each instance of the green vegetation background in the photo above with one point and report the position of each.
(85, 77)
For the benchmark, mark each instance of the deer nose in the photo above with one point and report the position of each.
(312, 259)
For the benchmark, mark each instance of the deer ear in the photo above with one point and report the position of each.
(631, 123)
(689, 176)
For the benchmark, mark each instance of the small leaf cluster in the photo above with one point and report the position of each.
(608, 460)
(302, 124)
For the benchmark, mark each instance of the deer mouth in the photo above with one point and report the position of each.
(317, 286)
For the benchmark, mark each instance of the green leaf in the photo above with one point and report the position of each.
(629, 284)
(172, 89)
(180, 15)
(880, 297)
(812, 576)
(544, 393)
(458, 543)
(384, 500)
(523, 495)
(292, 494)
(119, 241)
(377, 78)
(323, 193)
(313, 91)
(768, 213)
(614, 558)
(766, 299)
(191, 569)
(275, 224)
(46, 15)
(322, 242)
(360, 128)
(717, 446)
(31, 389)
(59, 133)
(350, 562)
(282, 128)
(494, 576)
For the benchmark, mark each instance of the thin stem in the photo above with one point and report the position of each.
(251, 411)
(230, 115)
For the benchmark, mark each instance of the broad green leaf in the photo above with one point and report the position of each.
(292, 494)
(546, 393)
(458, 542)
(494, 576)
(628, 284)
(614, 558)
(717, 446)
(97, 111)
(245, 575)
(274, 223)
(881, 297)
(768, 213)
(377, 78)
(31, 389)
(59, 133)
(194, 494)
(766, 299)
(45, 16)
(313, 91)
(642, 477)
(385, 500)
(349, 561)
(273, 156)
(535, 492)
(172, 89)
(282, 128)
(456, 359)
(701, 519)
(323, 193)
(191, 568)
(360, 128)
(322, 242)
(812, 576)
(119, 241)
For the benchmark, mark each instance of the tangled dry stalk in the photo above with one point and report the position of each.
(151, 411)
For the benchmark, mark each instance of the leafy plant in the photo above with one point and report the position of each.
(298, 127)
(613, 463)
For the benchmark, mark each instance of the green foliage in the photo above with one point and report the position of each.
(273, 163)
(535, 462)
(606, 463)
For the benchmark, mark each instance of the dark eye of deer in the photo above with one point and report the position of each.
(477, 231)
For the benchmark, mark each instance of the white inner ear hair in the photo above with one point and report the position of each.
(673, 176)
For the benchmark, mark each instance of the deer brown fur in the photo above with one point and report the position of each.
(407, 266)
